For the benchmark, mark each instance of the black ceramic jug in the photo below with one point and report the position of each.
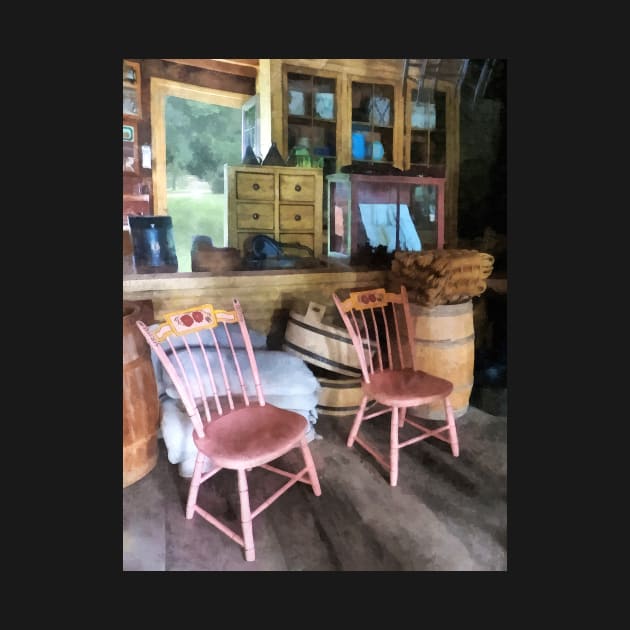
(273, 157)
(153, 244)
(249, 157)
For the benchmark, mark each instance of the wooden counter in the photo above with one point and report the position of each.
(266, 296)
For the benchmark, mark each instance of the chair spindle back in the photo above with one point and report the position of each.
(208, 355)
(380, 326)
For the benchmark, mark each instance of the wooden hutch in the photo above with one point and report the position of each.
(337, 93)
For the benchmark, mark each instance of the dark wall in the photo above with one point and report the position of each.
(482, 183)
(482, 224)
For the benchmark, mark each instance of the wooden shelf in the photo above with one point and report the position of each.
(371, 126)
(297, 119)
(132, 105)
(131, 197)
(372, 161)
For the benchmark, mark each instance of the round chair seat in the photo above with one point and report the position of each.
(250, 436)
(406, 388)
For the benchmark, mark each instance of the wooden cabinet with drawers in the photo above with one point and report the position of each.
(282, 202)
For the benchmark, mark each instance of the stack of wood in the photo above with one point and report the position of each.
(442, 276)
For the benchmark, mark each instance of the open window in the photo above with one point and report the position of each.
(250, 133)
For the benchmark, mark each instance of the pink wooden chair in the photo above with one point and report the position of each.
(380, 326)
(215, 374)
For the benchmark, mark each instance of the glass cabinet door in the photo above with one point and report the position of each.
(339, 215)
(423, 210)
(367, 213)
(372, 123)
(312, 118)
(427, 123)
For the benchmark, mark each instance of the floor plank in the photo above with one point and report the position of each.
(446, 514)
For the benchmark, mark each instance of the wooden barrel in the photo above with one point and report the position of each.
(340, 396)
(444, 345)
(140, 400)
(320, 344)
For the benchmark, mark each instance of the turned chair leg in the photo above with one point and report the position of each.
(195, 482)
(357, 422)
(401, 417)
(452, 430)
(246, 517)
(310, 465)
(393, 448)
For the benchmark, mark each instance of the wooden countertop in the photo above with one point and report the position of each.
(266, 295)
(328, 265)
(185, 280)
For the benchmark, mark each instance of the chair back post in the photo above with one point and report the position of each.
(399, 385)
(203, 369)
(409, 324)
(352, 328)
(191, 408)
(385, 328)
(250, 351)
(200, 351)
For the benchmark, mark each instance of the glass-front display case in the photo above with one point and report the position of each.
(311, 110)
(372, 123)
(427, 137)
(372, 213)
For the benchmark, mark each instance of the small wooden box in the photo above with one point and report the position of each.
(215, 259)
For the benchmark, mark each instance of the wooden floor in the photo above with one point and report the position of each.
(446, 514)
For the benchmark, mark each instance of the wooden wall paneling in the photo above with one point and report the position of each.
(158, 149)
(263, 88)
(383, 69)
(283, 139)
(399, 125)
(198, 76)
(277, 100)
(452, 167)
(344, 124)
(242, 67)
(266, 297)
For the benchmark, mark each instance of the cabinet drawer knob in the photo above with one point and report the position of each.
(298, 188)
(255, 216)
(255, 186)
(298, 217)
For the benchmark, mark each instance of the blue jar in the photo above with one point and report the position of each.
(153, 244)
(358, 146)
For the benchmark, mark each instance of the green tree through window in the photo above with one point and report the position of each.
(200, 139)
